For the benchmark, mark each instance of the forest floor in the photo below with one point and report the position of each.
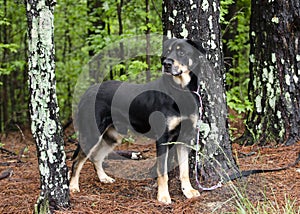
(135, 188)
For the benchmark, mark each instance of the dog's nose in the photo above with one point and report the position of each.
(167, 63)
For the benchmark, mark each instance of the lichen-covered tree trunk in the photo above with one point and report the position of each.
(45, 125)
(274, 72)
(199, 20)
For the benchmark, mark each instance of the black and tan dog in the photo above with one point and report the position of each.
(165, 110)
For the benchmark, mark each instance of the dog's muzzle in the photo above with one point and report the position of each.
(170, 68)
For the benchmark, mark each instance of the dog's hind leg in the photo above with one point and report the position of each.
(111, 138)
(78, 162)
(183, 159)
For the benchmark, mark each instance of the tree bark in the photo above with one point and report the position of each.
(120, 21)
(95, 10)
(4, 99)
(148, 46)
(274, 86)
(45, 125)
(199, 21)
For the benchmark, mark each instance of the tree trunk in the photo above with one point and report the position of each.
(229, 35)
(45, 125)
(95, 11)
(199, 21)
(120, 21)
(274, 86)
(5, 77)
(148, 41)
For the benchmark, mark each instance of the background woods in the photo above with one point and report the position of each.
(85, 27)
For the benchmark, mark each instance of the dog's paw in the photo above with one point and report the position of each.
(74, 186)
(166, 199)
(74, 189)
(107, 180)
(190, 193)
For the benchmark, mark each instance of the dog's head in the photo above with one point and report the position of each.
(180, 59)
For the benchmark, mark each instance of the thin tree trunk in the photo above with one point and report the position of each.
(13, 84)
(274, 86)
(230, 34)
(119, 12)
(148, 46)
(4, 94)
(95, 10)
(1, 109)
(45, 125)
(199, 21)
(5, 101)
(25, 97)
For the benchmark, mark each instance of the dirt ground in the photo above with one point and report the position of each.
(135, 188)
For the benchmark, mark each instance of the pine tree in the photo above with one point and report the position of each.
(45, 125)
(274, 86)
(199, 21)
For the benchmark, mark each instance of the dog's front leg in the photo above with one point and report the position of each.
(163, 194)
(183, 159)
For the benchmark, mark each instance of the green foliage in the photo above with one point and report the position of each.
(13, 48)
(133, 15)
(3, 19)
(6, 48)
(237, 78)
(237, 98)
(128, 140)
(71, 26)
(136, 70)
(133, 69)
(13, 90)
(225, 4)
(77, 36)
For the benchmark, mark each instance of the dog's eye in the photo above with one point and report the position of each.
(181, 53)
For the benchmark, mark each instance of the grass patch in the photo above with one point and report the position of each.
(244, 205)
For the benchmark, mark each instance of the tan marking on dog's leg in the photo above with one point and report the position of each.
(103, 177)
(183, 158)
(106, 146)
(114, 135)
(163, 194)
(78, 164)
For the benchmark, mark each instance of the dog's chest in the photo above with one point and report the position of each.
(174, 121)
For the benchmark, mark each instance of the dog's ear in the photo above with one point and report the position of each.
(198, 45)
(168, 42)
(166, 45)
